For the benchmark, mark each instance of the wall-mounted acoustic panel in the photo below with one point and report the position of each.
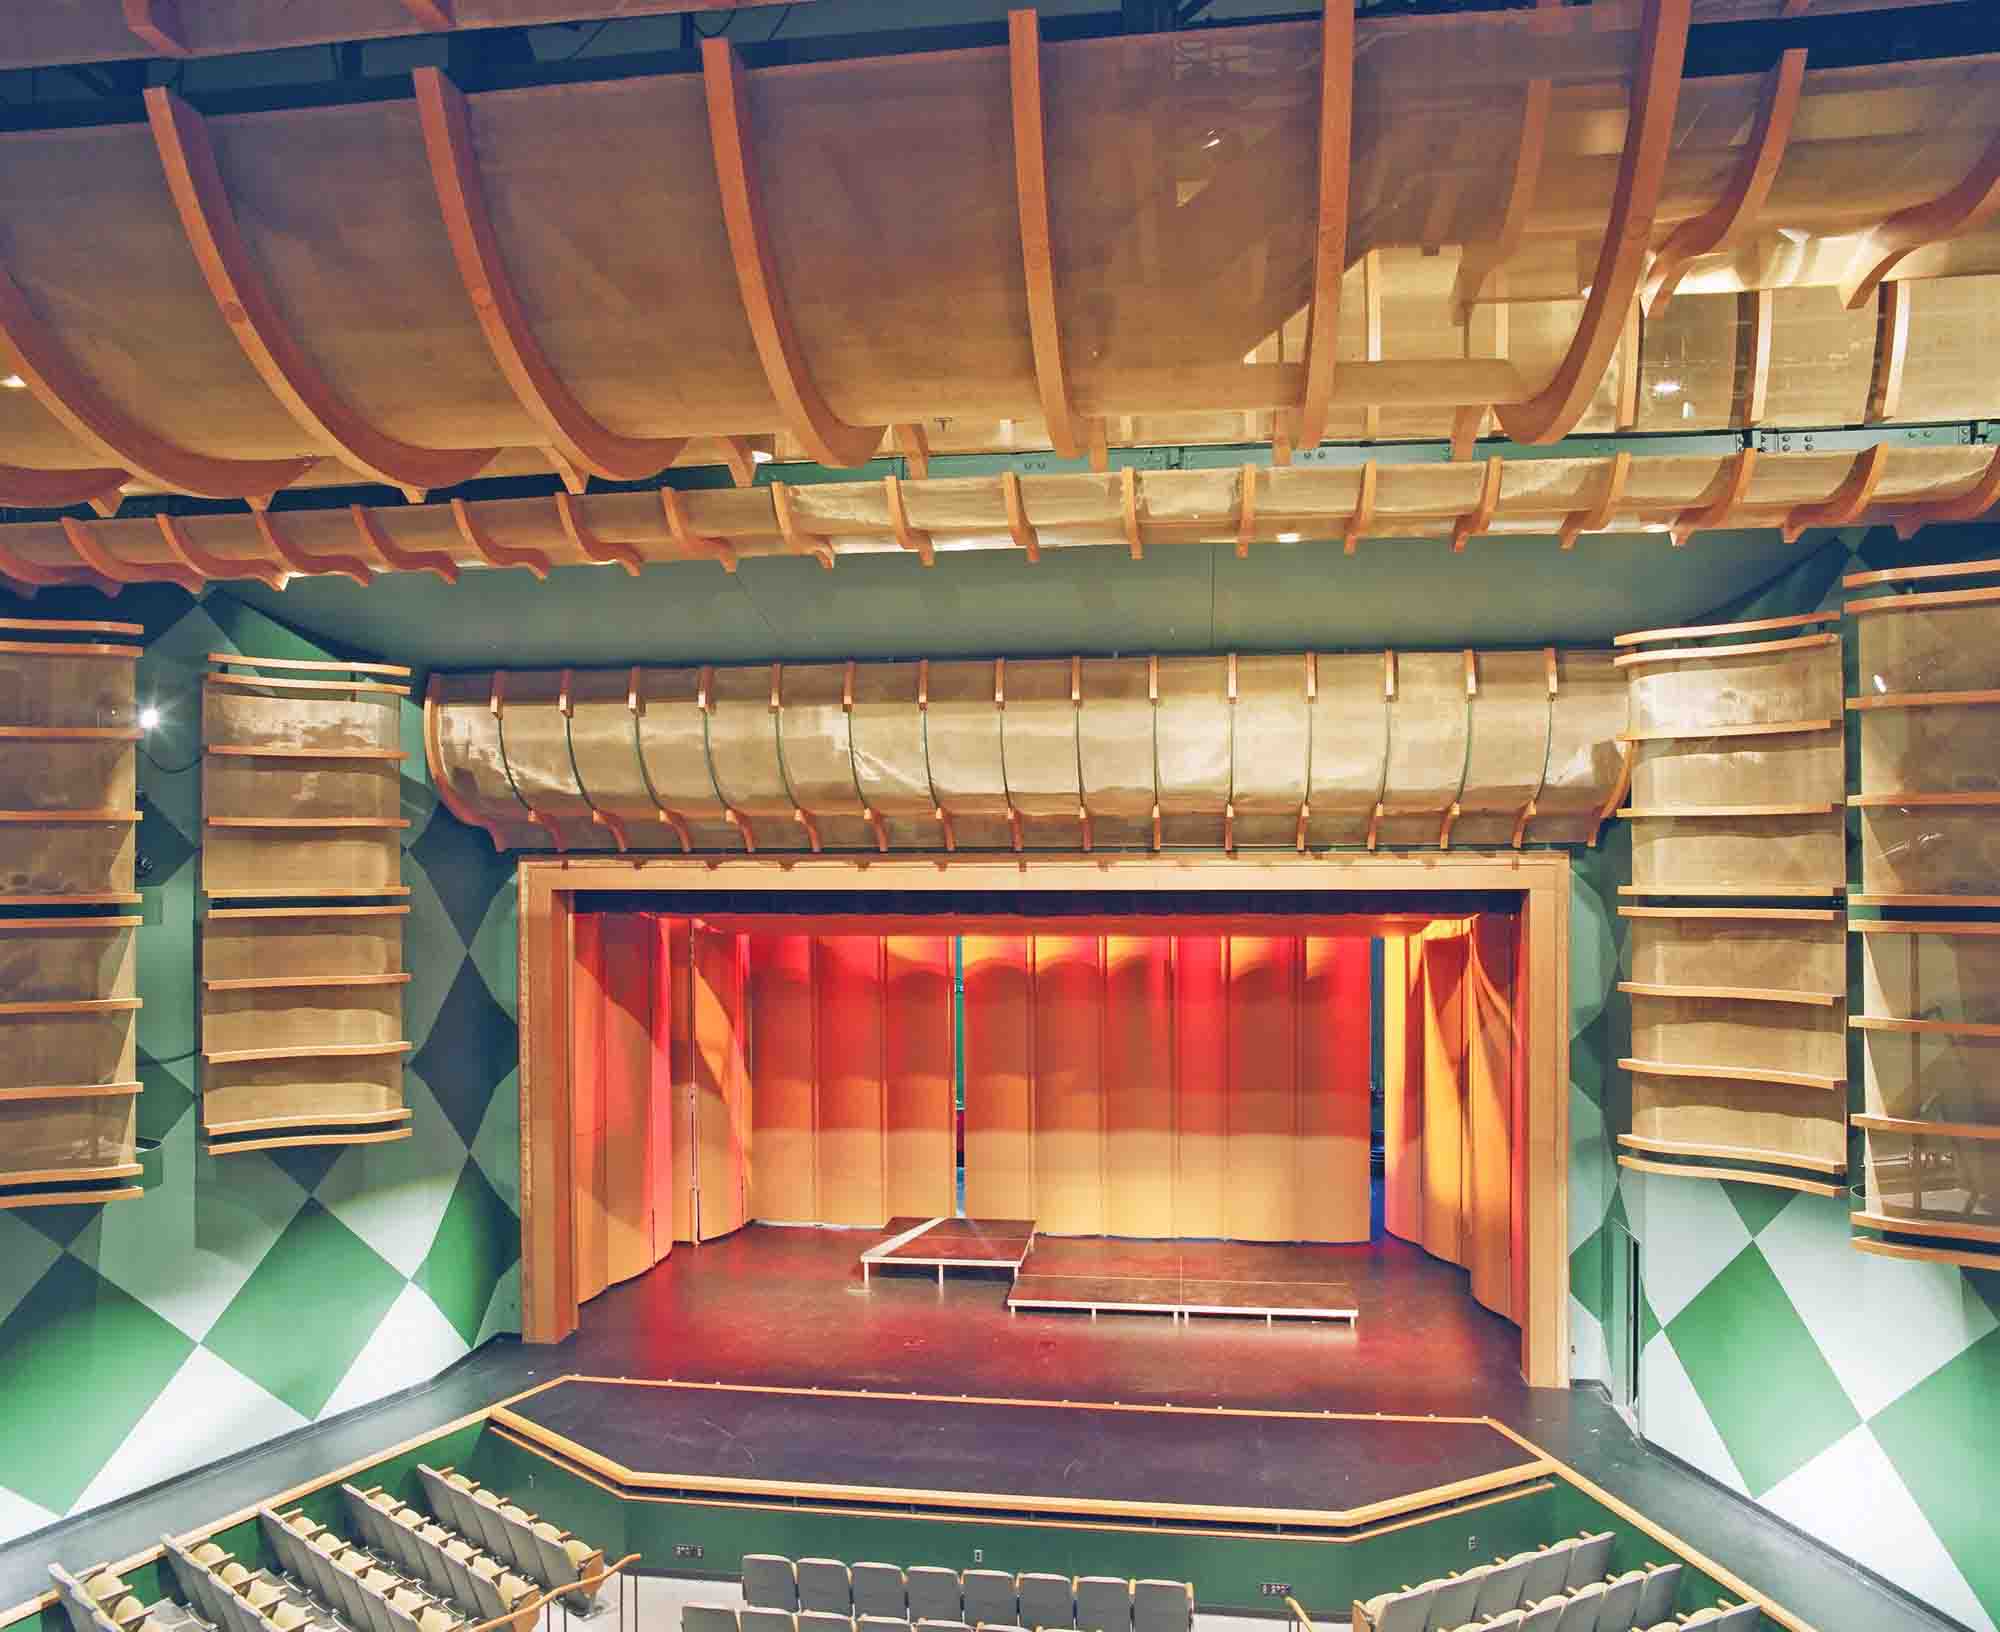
(1349, 747)
(968, 766)
(891, 767)
(1429, 721)
(743, 758)
(1508, 720)
(301, 778)
(1585, 757)
(816, 747)
(1038, 747)
(673, 756)
(603, 718)
(1271, 751)
(1115, 751)
(1192, 751)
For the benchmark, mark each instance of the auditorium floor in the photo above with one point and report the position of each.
(787, 1306)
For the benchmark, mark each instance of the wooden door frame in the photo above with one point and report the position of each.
(548, 887)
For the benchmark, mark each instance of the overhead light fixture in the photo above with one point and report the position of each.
(1289, 538)
(14, 382)
(760, 456)
(149, 718)
(1666, 388)
(1214, 139)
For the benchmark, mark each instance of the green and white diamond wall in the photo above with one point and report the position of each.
(245, 1297)
(1858, 1398)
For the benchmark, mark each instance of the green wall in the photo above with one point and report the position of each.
(1856, 1397)
(242, 1298)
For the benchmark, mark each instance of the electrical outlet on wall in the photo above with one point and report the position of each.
(979, 1555)
(687, 1549)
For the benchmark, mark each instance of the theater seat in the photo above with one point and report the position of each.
(989, 1599)
(818, 1620)
(1406, 1611)
(758, 1618)
(1547, 1574)
(1545, 1616)
(1103, 1603)
(934, 1593)
(878, 1591)
(707, 1618)
(1725, 1618)
(770, 1582)
(1656, 1597)
(1621, 1602)
(1501, 1590)
(824, 1586)
(1456, 1596)
(1047, 1600)
(1589, 1559)
(881, 1623)
(1580, 1609)
(1162, 1606)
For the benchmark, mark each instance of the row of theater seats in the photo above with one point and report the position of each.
(238, 1598)
(927, 1592)
(540, 1550)
(102, 1602)
(1564, 1587)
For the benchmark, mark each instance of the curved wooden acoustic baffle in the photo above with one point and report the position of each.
(1755, 307)
(157, 23)
(1970, 505)
(1246, 512)
(1847, 502)
(182, 547)
(1700, 517)
(605, 554)
(209, 221)
(30, 576)
(1962, 209)
(1466, 424)
(1598, 516)
(496, 704)
(907, 537)
(690, 542)
(635, 702)
(393, 556)
(57, 489)
(1031, 197)
(1336, 139)
(434, 762)
(916, 450)
(433, 14)
(31, 351)
(345, 566)
(496, 555)
(1371, 334)
(581, 439)
(1018, 524)
(1364, 511)
(1552, 413)
(1128, 504)
(106, 565)
(1743, 199)
(797, 539)
(1892, 350)
(566, 707)
(828, 438)
(1478, 262)
(1480, 517)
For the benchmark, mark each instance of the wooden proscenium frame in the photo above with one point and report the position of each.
(548, 888)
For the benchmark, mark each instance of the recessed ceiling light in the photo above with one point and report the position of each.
(14, 382)
(1289, 538)
(1666, 388)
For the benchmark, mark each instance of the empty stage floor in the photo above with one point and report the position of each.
(1303, 1470)
(1107, 1274)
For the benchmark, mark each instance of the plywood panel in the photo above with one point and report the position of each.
(627, 1097)
(1949, 1182)
(1403, 1088)
(1763, 954)
(90, 1138)
(351, 941)
(1930, 850)
(1700, 693)
(1140, 1028)
(1743, 1121)
(1739, 855)
(920, 1153)
(665, 1105)
(721, 1092)
(1929, 750)
(1489, 1092)
(1331, 1177)
(999, 1063)
(1201, 1084)
(301, 1093)
(1796, 768)
(848, 1021)
(1445, 960)
(586, 1110)
(783, 1087)
(1068, 1086)
(1941, 648)
(1260, 1202)
(1729, 1032)
(1932, 1077)
(1350, 746)
(1428, 735)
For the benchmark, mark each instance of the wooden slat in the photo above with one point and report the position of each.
(241, 660)
(695, 545)
(1336, 136)
(1936, 1028)
(1738, 1153)
(603, 551)
(583, 441)
(496, 554)
(343, 566)
(102, 562)
(1892, 351)
(1755, 728)
(1476, 520)
(1554, 411)
(1731, 1073)
(316, 1051)
(392, 555)
(1914, 1252)
(1847, 502)
(54, 489)
(1979, 497)
(1719, 511)
(1921, 1129)
(1746, 1175)
(1741, 994)
(205, 564)
(209, 221)
(1754, 648)
(828, 438)
(1922, 603)
(1923, 699)
(1911, 575)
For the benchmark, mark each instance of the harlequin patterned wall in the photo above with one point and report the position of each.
(244, 1297)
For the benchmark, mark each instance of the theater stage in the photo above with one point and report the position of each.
(1115, 1275)
(1290, 1470)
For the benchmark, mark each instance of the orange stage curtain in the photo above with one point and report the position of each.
(920, 1146)
(674, 1020)
(1444, 961)
(1332, 1144)
(999, 1088)
(1068, 1113)
(1201, 1063)
(721, 1083)
(1489, 1087)
(847, 983)
(784, 1122)
(1138, 1073)
(1403, 1089)
(1260, 1200)
(621, 1120)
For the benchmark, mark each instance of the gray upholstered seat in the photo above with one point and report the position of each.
(1545, 1616)
(934, 1592)
(989, 1598)
(708, 1618)
(1656, 1597)
(819, 1620)
(1589, 1559)
(1621, 1602)
(1406, 1611)
(761, 1618)
(770, 1582)
(824, 1586)
(1456, 1595)
(1548, 1572)
(1103, 1603)
(881, 1623)
(878, 1591)
(1580, 1609)
(1501, 1590)
(1047, 1600)
(1162, 1606)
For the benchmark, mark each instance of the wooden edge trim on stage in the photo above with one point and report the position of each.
(1554, 411)
(62, 387)
(583, 441)
(208, 220)
(1031, 194)
(1748, 187)
(1776, 1181)
(1009, 1501)
(1336, 139)
(1334, 1539)
(830, 440)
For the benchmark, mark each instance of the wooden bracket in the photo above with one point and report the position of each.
(1521, 824)
(592, 547)
(1754, 310)
(1156, 826)
(1959, 211)
(742, 461)
(916, 449)
(687, 540)
(181, 545)
(1478, 262)
(1229, 827)
(1017, 517)
(157, 24)
(496, 554)
(1388, 677)
(107, 566)
(614, 825)
(1471, 673)
(1444, 833)
(1374, 825)
(1246, 511)
(1735, 482)
(1300, 827)
(876, 827)
(805, 820)
(1128, 498)
(1598, 516)
(1476, 520)
(915, 539)
(797, 539)
(345, 566)
(1364, 511)
(395, 558)
(1850, 500)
